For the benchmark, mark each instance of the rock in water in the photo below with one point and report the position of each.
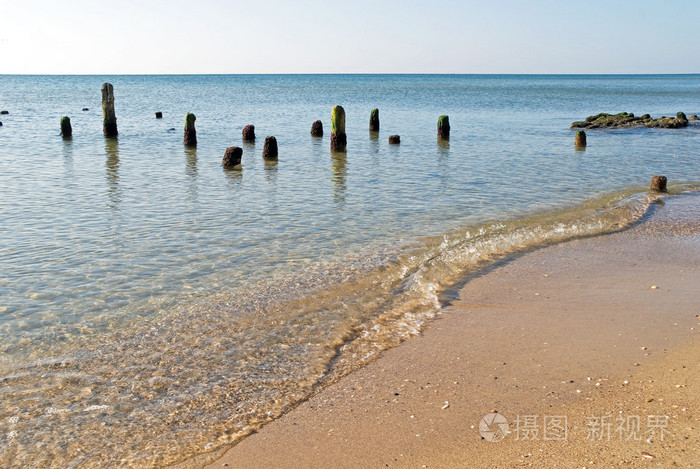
(232, 157)
(66, 129)
(627, 119)
(270, 148)
(109, 126)
(190, 137)
(339, 140)
(317, 129)
(4, 112)
(443, 127)
(249, 133)
(658, 183)
(374, 120)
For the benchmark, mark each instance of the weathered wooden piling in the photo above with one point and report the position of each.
(249, 133)
(394, 139)
(159, 115)
(270, 148)
(232, 157)
(374, 120)
(658, 183)
(109, 126)
(339, 140)
(317, 129)
(66, 129)
(443, 127)
(0, 123)
(580, 139)
(85, 109)
(4, 113)
(190, 132)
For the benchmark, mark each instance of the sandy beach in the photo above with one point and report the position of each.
(588, 350)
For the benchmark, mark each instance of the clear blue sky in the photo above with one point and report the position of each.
(355, 36)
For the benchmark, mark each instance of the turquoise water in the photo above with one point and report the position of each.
(156, 306)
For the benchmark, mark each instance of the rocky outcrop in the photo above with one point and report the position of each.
(627, 119)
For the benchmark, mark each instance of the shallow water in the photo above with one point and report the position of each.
(155, 306)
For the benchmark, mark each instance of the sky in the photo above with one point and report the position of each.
(356, 36)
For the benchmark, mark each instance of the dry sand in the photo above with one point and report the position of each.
(571, 336)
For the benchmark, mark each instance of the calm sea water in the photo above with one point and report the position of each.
(154, 306)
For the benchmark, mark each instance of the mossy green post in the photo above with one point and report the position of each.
(374, 120)
(339, 140)
(109, 126)
(580, 138)
(443, 127)
(190, 138)
(66, 129)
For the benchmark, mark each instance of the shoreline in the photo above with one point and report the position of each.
(557, 331)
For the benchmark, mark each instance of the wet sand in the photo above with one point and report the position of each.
(588, 349)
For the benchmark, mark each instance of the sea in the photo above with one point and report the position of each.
(156, 307)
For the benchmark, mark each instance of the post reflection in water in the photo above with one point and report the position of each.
(443, 148)
(191, 172)
(68, 159)
(271, 171)
(373, 141)
(338, 165)
(112, 172)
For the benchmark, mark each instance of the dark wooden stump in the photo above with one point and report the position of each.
(443, 127)
(190, 138)
(658, 183)
(317, 129)
(338, 138)
(66, 129)
(232, 157)
(394, 139)
(249, 133)
(374, 120)
(159, 115)
(580, 139)
(109, 126)
(270, 148)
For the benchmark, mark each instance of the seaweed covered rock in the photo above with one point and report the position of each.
(627, 119)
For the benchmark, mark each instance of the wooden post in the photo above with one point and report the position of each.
(317, 129)
(580, 139)
(443, 127)
(190, 138)
(339, 140)
(109, 126)
(159, 115)
(270, 148)
(394, 139)
(374, 120)
(66, 129)
(658, 183)
(249, 133)
(232, 157)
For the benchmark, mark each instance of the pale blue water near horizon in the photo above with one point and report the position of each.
(155, 306)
